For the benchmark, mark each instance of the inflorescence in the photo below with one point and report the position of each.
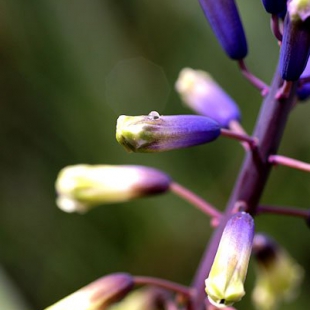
(224, 267)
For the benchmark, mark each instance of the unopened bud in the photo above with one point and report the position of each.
(225, 284)
(155, 133)
(97, 295)
(225, 22)
(201, 93)
(295, 46)
(81, 187)
(278, 275)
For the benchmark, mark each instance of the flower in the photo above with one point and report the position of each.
(225, 22)
(98, 294)
(278, 275)
(201, 93)
(155, 133)
(81, 187)
(224, 285)
(295, 48)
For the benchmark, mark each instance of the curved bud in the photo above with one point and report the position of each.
(97, 295)
(224, 285)
(201, 93)
(295, 48)
(155, 133)
(225, 22)
(81, 187)
(274, 6)
(278, 275)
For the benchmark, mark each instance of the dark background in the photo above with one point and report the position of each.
(67, 70)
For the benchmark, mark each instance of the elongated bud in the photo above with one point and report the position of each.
(81, 187)
(98, 295)
(225, 22)
(202, 94)
(274, 6)
(224, 285)
(278, 275)
(155, 133)
(295, 46)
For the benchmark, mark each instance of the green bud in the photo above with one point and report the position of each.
(225, 284)
(81, 187)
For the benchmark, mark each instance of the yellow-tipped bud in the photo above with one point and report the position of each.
(81, 187)
(224, 285)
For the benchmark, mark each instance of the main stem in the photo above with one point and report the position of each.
(253, 174)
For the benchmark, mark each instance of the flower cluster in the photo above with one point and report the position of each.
(223, 270)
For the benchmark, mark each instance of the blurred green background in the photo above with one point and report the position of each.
(67, 70)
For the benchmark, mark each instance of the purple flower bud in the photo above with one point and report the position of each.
(224, 285)
(98, 294)
(295, 48)
(274, 6)
(225, 22)
(201, 93)
(155, 133)
(303, 92)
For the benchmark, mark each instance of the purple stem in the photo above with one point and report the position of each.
(289, 162)
(235, 126)
(255, 81)
(252, 142)
(253, 174)
(275, 27)
(195, 200)
(164, 284)
(279, 210)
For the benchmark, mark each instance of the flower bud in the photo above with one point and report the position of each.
(278, 275)
(303, 92)
(81, 187)
(155, 133)
(142, 299)
(201, 93)
(224, 285)
(295, 48)
(274, 6)
(225, 22)
(97, 295)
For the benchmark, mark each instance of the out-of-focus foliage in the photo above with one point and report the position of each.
(67, 70)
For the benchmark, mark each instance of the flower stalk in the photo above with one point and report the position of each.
(253, 174)
(195, 200)
(289, 162)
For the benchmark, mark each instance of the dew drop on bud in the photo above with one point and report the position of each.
(154, 116)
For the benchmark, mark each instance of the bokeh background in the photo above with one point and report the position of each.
(68, 69)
